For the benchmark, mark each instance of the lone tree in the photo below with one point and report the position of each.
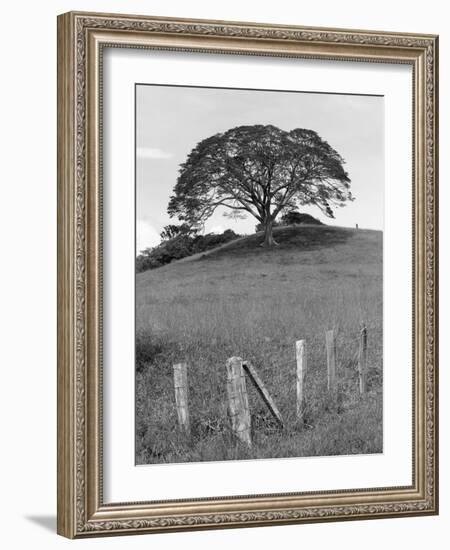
(260, 170)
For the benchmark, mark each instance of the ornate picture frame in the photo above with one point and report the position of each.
(82, 39)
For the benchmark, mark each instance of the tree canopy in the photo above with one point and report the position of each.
(172, 231)
(262, 171)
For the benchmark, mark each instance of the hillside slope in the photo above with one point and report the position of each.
(255, 303)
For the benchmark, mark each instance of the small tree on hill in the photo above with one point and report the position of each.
(172, 231)
(260, 170)
(293, 217)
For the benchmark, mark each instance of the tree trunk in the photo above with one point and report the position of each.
(269, 241)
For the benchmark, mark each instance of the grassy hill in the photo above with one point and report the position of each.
(252, 302)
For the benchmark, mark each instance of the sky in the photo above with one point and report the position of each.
(171, 120)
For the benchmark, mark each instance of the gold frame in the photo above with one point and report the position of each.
(81, 37)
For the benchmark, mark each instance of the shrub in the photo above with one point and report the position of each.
(148, 347)
(293, 217)
(180, 246)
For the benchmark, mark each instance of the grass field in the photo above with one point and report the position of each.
(255, 303)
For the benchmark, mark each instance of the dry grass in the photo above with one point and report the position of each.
(255, 303)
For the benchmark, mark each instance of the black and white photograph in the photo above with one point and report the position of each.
(259, 274)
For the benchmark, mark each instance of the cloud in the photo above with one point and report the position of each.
(152, 153)
(146, 236)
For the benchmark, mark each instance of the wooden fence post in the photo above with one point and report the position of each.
(362, 361)
(331, 358)
(238, 400)
(181, 396)
(300, 352)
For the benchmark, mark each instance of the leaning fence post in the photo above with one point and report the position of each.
(331, 358)
(181, 395)
(238, 400)
(300, 352)
(362, 360)
(263, 392)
